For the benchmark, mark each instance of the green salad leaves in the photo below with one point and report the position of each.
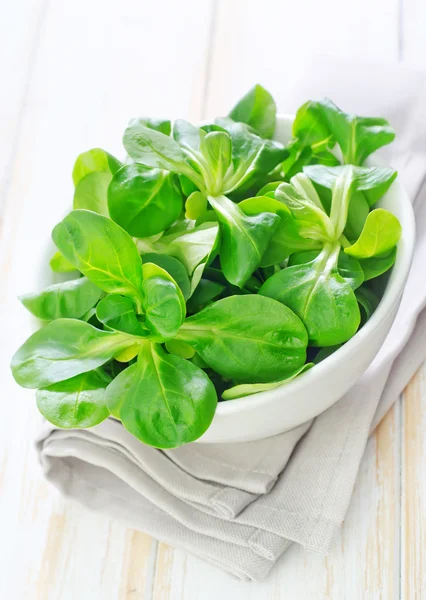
(214, 263)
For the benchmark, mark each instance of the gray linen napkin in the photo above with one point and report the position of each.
(240, 506)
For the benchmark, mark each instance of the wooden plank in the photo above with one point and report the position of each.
(19, 41)
(88, 556)
(270, 43)
(413, 499)
(364, 559)
(93, 69)
(138, 567)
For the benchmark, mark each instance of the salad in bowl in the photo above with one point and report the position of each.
(218, 264)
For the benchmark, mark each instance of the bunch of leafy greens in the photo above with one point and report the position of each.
(206, 264)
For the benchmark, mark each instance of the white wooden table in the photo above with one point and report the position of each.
(72, 74)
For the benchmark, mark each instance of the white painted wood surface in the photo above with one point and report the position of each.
(72, 75)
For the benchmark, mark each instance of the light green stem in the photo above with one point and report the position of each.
(340, 200)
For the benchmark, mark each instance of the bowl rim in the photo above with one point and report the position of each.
(391, 295)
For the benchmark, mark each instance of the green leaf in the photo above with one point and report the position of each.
(161, 125)
(189, 139)
(374, 193)
(372, 181)
(232, 339)
(174, 267)
(216, 147)
(163, 400)
(119, 313)
(186, 185)
(381, 232)
(70, 299)
(102, 251)
(312, 141)
(62, 349)
(350, 270)
(163, 302)
(299, 156)
(341, 195)
(368, 302)
(353, 191)
(204, 163)
(142, 201)
(90, 316)
(325, 158)
(358, 137)
(204, 293)
(257, 109)
(178, 228)
(194, 247)
(286, 239)
(357, 214)
(95, 160)
(179, 348)
(59, 264)
(246, 389)
(91, 192)
(244, 239)
(92, 173)
(269, 189)
(195, 206)
(153, 149)
(319, 295)
(127, 354)
(77, 402)
(208, 217)
(347, 266)
(311, 129)
(252, 156)
(197, 275)
(379, 264)
(208, 154)
(324, 353)
(315, 224)
(358, 207)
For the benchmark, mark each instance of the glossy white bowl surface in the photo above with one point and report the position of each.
(272, 412)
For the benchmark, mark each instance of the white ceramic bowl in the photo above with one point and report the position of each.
(269, 413)
(272, 412)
